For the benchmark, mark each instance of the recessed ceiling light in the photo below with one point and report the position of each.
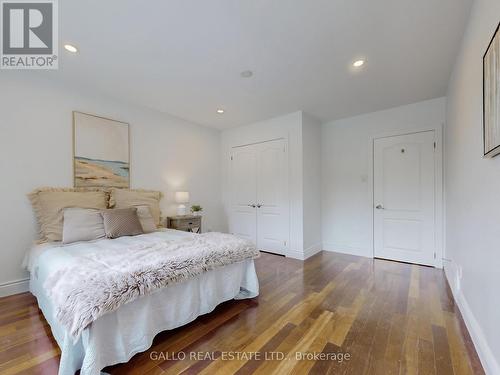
(70, 48)
(220, 111)
(358, 63)
(246, 73)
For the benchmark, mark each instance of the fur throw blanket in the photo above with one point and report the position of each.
(104, 281)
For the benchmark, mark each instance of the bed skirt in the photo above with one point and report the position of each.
(117, 336)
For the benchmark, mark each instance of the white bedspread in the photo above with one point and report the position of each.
(117, 336)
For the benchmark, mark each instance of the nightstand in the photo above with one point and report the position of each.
(187, 223)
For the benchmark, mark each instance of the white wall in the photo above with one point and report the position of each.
(311, 151)
(167, 154)
(288, 127)
(472, 187)
(347, 170)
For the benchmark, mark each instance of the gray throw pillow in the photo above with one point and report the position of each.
(82, 224)
(121, 222)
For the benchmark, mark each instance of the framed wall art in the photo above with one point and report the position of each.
(101, 156)
(491, 97)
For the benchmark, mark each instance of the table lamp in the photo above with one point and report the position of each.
(181, 197)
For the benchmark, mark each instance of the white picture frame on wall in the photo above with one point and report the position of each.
(491, 97)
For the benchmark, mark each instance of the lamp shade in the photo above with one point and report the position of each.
(182, 196)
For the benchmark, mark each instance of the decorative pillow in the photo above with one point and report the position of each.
(121, 222)
(123, 198)
(146, 219)
(82, 224)
(49, 204)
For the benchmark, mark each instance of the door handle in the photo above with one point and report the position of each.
(259, 205)
(251, 205)
(379, 207)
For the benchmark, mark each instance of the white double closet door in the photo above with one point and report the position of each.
(259, 194)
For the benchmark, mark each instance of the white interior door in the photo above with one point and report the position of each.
(243, 219)
(272, 197)
(404, 198)
(259, 195)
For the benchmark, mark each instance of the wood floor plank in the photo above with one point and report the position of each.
(394, 350)
(414, 282)
(286, 346)
(269, 347)
(442, 357)
(30, 362)
(377, 361)
(305, 344)
(409, 363)
(346, 317)
(458, 352)
(426, 364)
(323, 366)
(389, 317)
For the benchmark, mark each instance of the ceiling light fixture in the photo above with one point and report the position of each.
(358, 63)
(70, 48)
(220, 111)
(246, 73)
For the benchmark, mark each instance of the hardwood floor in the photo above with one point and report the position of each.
(389, 317)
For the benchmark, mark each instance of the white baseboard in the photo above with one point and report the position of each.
(312, 250)
(347, 249)
(14, 287)
(307, 253)
(295, 254)
(488, 360)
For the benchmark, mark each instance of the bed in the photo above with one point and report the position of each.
(117, 335)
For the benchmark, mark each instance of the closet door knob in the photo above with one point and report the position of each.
(259, 205)
(379, 207)
(251, 205)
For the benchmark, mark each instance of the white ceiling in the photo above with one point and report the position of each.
(184, 57)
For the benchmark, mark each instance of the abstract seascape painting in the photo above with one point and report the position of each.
(491, 97)
(101, 152)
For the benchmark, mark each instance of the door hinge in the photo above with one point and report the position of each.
(231, 157)
(434, 255)
(284, 243)
(434, 145)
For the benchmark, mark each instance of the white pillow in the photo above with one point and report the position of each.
(146, 218)
(82, 224)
